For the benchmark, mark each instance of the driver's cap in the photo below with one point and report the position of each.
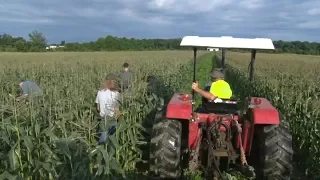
(216, 73)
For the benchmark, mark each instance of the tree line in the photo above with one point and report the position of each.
(37, 43)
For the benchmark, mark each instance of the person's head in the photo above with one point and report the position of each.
(125, 66)
(216, 74)
(110, 82)
(21, 83)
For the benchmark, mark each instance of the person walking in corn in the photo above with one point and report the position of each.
(219, 89)
(29, 90)
(108, 106)
(126, 77)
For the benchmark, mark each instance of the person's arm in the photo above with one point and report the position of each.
(203, 93)
(25, 92)
(117, 110)
(117, 107)
(121, 80)
(97, 102)
(98, 107)
(22, 97)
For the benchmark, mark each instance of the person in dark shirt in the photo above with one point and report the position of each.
(126, 77)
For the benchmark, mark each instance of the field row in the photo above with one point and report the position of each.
(297, 75)
(290, 82)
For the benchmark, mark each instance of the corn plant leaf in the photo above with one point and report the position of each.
(115, 166)
(63, 147)
(50, 134)
(106, 159)
(51, 154)
(44, 165)
(131, 137)
(37, 128)
(6, 175)
(13, 159)
(27, 140)
(141, 142)
(74, 135)
(139, 127)
(114, 141)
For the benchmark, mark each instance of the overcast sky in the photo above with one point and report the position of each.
(85, 20)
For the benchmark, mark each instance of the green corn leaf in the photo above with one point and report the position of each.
(63, 147)
(13, 158)
(27, 140)
(7, 176)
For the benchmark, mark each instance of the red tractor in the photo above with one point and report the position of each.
(221, 136)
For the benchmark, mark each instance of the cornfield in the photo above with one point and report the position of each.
(290, 82)
(54, 137)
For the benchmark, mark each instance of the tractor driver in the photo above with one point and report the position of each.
(219, 89)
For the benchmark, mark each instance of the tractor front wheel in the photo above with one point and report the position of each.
(275, 152)
(165, 149)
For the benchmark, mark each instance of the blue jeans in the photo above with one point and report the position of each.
(103, 134)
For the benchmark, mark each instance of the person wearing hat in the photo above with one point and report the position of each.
(28, 89)
(108, 105)
(219, 87)
(126, 77)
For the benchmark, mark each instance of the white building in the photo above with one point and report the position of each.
(54, 47)
(212, 49)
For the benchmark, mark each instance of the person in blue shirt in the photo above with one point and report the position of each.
(28, 89)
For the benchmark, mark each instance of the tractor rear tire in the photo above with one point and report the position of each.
(275, 151)
(165, 149)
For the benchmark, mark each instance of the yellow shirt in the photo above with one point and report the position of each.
(221, 89)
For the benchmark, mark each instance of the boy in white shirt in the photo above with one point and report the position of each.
(108, 105)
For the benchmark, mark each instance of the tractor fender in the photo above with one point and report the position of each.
(180, 107)
(263, 112)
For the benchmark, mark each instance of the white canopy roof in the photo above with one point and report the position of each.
(227, 42)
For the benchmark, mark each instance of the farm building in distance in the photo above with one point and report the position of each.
(212, 49)
(54, 47)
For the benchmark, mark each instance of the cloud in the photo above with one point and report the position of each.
(26, 20)
(86, 20)
(252, 4)
(310, 25)
(314, 11)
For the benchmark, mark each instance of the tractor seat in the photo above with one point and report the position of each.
(225, 106)
(231, 100)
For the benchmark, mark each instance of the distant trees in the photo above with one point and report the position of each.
(111, 43)
(37, 42)
(297, 47)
